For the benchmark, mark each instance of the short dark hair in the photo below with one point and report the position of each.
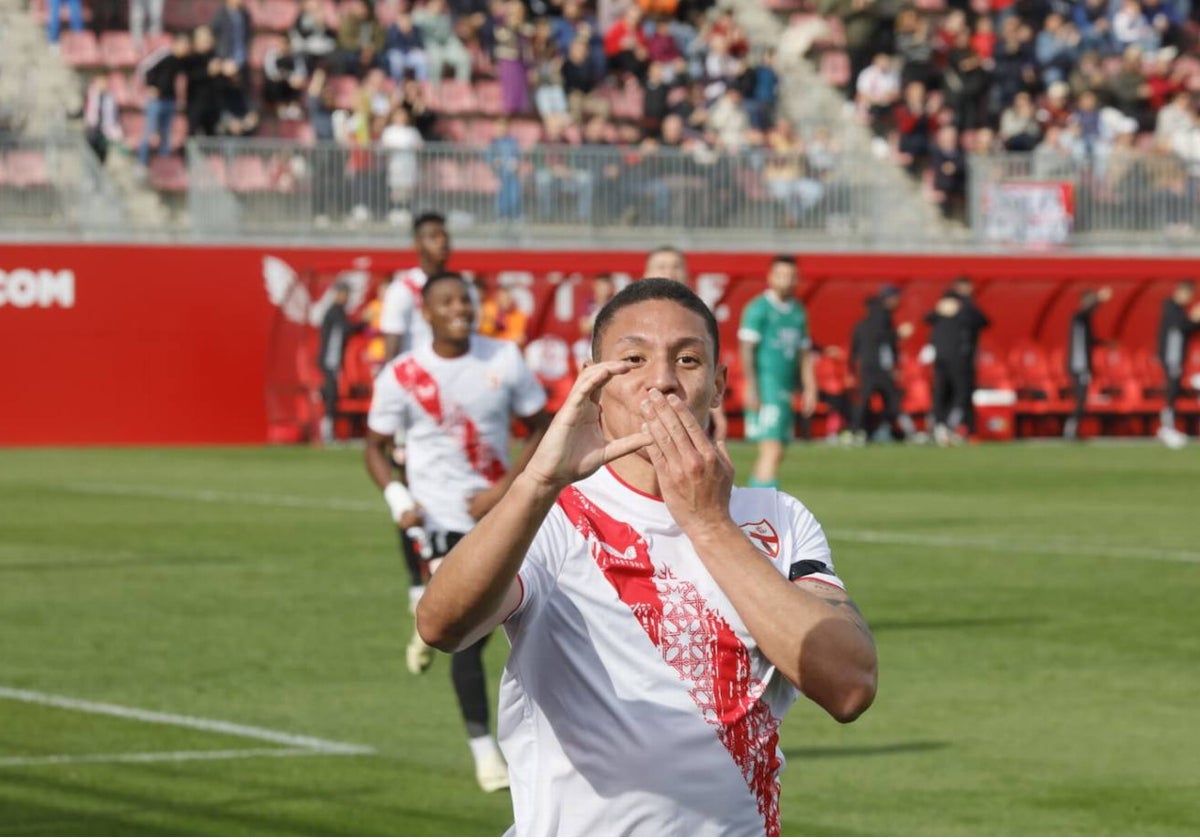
(785, 259)
(655, 288)
(428, 217)
(427, 289)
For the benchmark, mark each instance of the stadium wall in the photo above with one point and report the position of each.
(122, 344)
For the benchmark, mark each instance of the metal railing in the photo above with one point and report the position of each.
(57, 187)
(269, 188)
(1115, 197)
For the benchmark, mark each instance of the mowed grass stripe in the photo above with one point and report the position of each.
(1021, 692)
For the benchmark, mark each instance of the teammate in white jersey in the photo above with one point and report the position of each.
(662, 621)
(455, 398)
(400, 320)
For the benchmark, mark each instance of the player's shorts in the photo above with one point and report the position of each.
(774, 420)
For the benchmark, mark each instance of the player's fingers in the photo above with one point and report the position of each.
(687, 423)
(627, 445)
(591, 379)
(655, 425)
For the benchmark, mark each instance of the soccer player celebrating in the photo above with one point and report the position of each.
(776, 353)
(400, 321)
(662, 621)
(455, 399)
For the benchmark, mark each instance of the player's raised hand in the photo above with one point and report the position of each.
(695, 474)
(575, 445)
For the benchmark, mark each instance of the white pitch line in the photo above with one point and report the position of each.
(160, 757)
(184, 721)
(999, 544)
(1008, 546)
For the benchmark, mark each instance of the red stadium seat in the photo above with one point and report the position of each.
(248, 173)
(527, 132)
(117, 50)
(168, 174)
(27, 168)
(488, 98)
(276, 15)
(129, 91)
(454, 97)
(447, 176)
(217, 169)
(480, 178)
(80, 49)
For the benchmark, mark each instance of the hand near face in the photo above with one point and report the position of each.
(695, 474)
(574, 445)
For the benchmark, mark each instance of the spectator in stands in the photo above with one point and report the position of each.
(549, 94)
(203, 84)
(285, 78)
(401, 141)
(1163, 80)
(424, 117)
(875, 351)
(1129, 89)
(442, 46)
(328, 161)
(1180, 321)
(1060, 154)
(558, 171)
(878, 89)
(75, 12)
(1130, 28)
(1175, 119)
(949, 172)
(360, 39)
(787, 176)
(1019, 127)
(915, 49)
(914, 125)
(861, 20)
(728, 121)
(760, 105)
(405, 50)
(625, 44)
(983, 39)
(1012, 61)
(1056, 48)
(1166, 20)
(604, 163)
(160, 70)
(1091, 20)
(655, 98)
(1081, 341)
(1087, 119)
(100, 124)
(661, 47)
(145, 16)
(578, 80)
(967, 82)
(311, 39)
(239, 117)
(231, 30)
(504, 157)
(1056, 106)
(501, 317)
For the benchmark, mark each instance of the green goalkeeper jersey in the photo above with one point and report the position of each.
(780, 331)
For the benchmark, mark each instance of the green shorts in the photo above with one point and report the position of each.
(774, 419)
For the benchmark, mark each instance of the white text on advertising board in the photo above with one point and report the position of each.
(23, 288)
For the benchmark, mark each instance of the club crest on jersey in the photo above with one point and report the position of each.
(494, 381)
(763, 535)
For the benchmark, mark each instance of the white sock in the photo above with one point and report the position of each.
(414, 594)
(482, 747)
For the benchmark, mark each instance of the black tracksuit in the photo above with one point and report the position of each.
(1080, 341)
(1174, 330)
(873, 347)
(955, 340)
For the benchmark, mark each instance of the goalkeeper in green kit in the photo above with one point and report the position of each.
(776, 354)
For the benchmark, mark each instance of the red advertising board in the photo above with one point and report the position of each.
(125, 344)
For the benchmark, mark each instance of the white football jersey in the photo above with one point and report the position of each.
(456, 414)
(635, 701)
(401, 313)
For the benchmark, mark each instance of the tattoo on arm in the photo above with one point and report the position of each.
(839, 600)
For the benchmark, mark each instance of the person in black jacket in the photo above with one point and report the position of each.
(955, 323)
(1180, 320)
(1081, 340)
(336, 330)
(160, 69)
(203, 70)
(874, 349)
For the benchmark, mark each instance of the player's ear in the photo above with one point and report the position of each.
(722, 377)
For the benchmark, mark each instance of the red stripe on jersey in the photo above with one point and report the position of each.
(423, 388)
(695, 640)
(415, 289)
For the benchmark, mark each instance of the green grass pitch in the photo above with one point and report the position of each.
(1036, 607)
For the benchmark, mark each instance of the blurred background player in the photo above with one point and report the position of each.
(667, 261)
(874, 350)
(776, 354)
(501, 317)
(1081, 340)
(336, 329)
(1178, 324)
(603, 288)
(400, 321)
(955, 323)
(455, 398)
